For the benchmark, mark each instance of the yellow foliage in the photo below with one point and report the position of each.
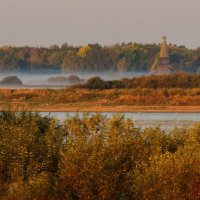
(83, 51)
(95, 157)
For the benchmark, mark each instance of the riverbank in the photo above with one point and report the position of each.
(91, 108)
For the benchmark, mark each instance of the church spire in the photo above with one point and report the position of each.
(164, 50)
(164, 66)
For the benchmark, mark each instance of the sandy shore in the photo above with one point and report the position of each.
(99, 108)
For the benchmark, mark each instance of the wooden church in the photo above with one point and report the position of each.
(164, 66)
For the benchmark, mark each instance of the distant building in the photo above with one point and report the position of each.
(164, 66)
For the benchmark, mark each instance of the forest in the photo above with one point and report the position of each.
(94, 58)
(95, 157)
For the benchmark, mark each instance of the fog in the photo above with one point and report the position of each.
(40, 80)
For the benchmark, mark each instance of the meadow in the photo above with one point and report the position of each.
(175, 92)
(81, 99)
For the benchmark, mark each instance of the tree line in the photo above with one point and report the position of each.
(95, 157)
(94, 57)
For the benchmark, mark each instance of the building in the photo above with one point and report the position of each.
(164, 66)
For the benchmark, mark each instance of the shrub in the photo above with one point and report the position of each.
(74, 79)
(115, 84)
(96, 83)
(11, 80)
(95, 157)
(60, 79)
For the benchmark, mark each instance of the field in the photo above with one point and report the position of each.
(119, 100)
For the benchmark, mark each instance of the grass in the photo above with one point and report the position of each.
(177, 99)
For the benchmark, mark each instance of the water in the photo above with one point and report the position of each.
(167, 121)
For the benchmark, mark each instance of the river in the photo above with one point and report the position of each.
(167, 121)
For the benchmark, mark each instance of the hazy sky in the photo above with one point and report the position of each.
(46, 22)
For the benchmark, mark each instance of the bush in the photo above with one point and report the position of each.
(115, 84)
(94, 157)
(11, 80)
(96, 83)
(60, 79)
(178, 80)
(72, 79)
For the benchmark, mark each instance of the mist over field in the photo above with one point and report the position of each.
(37, 79)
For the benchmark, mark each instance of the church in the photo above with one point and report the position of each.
(164, 66)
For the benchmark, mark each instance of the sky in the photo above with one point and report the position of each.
(107, 22)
